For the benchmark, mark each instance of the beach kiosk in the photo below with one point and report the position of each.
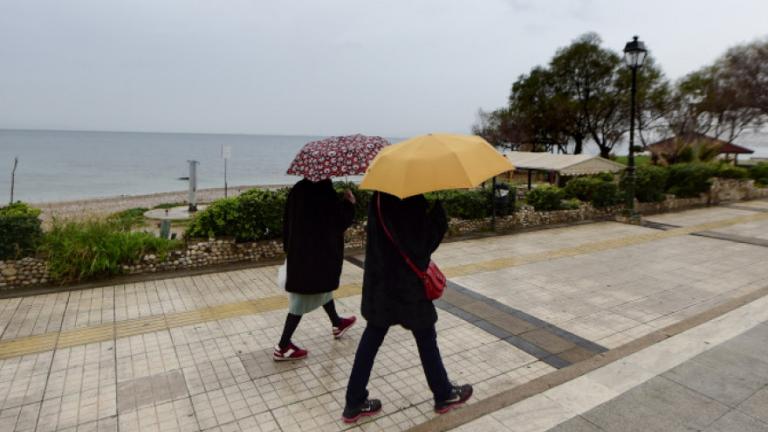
(557, 166)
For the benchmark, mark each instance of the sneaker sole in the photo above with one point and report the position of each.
(359, 416)
(450, 407)
(453, 405)
(343, 332)
(281, 359)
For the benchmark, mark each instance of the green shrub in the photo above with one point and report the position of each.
(570, 204)
(464, 204)
(759, 173)
(78, 250)
(606, 177)
(545, 198)
(263, 214)
(732, 172)
(690, 179)
(20, 231)
(650, 183)
(606, 194)
(581, 188)
(460, 204)
(254, 215)
(220, 218)
(130, 218)
(601, 191)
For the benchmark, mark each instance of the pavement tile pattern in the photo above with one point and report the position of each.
(723, 389)
(193, 353)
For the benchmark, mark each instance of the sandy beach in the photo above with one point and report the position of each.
(106, 206)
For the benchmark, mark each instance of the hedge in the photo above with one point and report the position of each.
(256, 214)
(546, 198)
(601, 191)
(759, 173)
(650, 183)
(464, 204)
(732, 172)
(688, 180)
(20, 231)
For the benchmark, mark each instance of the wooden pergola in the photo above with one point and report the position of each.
(729, 150)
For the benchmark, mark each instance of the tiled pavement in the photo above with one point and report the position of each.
(711, 378)
(722, 390)
(192, 353)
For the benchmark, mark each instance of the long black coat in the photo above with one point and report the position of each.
(313, 236)
(392, 293)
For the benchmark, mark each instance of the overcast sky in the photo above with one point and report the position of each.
(394, 68)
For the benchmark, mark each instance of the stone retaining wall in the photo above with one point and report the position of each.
(29, 272)
(24, 272)
(725, 190)
(672, 204)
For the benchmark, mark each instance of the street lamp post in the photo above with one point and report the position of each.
(634, 56)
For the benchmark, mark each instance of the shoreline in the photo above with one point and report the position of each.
(103, 206)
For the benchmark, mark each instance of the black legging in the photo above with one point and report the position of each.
(292, 322)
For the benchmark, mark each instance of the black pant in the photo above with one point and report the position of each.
(426, 340)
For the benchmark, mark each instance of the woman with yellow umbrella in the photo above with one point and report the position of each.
(403, 232)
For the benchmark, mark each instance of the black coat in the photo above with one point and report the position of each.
(392, 293)
(313, 236)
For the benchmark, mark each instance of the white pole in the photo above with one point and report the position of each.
(192, 186)
(226, 153)
(13, 175)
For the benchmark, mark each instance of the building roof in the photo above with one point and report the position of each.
(696, 140)
(564, 164)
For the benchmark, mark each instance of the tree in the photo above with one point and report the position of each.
(743, 73)
(588, 76)
(653, 100)
(545, 117)
(723, 99)
(497, 128)
(581, 96)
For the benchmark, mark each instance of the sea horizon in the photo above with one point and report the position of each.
(69, 165)
(73, 165)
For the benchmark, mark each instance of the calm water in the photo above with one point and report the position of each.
(57, 165)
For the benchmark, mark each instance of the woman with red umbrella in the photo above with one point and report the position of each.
(313, 231)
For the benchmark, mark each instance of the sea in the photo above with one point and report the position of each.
(74, 165)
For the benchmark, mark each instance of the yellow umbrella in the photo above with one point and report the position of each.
(434, 162)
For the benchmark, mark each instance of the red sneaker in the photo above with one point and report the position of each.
(291, 352)
(344, 325)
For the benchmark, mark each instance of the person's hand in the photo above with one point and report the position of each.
(349, 196)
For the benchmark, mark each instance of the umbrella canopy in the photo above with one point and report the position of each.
(434, 162)
(336, 156)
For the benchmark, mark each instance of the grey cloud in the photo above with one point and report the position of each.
(394, 68)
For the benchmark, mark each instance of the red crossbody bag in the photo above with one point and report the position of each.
(433, 279)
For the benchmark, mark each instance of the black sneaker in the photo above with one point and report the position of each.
(368, 408)
(459, 395)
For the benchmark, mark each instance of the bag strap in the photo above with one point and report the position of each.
(408, 261)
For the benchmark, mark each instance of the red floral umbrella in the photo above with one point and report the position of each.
(336, 156)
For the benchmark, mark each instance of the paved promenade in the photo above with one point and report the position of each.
(194, 353)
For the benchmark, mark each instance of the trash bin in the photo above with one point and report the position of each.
(503, 200)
